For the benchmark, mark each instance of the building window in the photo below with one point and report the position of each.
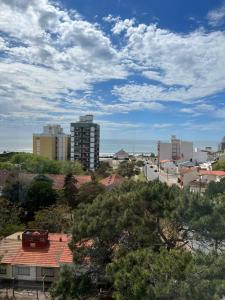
(49, 272)
(25, 271)
(2, 270)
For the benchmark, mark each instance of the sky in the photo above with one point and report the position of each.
(146, 69)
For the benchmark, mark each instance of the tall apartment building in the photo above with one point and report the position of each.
(222, 145)
(175, 150)
(85, 136)
(53, 143)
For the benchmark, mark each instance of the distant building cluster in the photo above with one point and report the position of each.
(81, 145)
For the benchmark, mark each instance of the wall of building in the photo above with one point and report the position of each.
(200, 156)
(8, 273)
(31, 276)
(164, 151)
(44, 146)
(40, 271)
(186, 150)
(188, 177)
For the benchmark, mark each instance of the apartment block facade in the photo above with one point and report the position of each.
(53, 143)
(85, 137)
(175, 150)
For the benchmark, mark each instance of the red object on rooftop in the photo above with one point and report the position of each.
(35, 239)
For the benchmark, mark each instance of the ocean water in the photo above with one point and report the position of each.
(107, 146)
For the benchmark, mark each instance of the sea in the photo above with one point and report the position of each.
(109, 146)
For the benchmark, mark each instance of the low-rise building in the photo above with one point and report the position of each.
(121, 155)
(34, 255)
(187, 175)
(208, 175)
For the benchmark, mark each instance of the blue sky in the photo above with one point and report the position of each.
(145, 69)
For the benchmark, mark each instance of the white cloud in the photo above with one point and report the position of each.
(52, 55)
(217, 17)
(187, 67)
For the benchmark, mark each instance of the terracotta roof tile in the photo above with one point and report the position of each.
(112, 180)
(57, 252)
(215, 173)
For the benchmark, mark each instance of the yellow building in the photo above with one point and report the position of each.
(52, 143)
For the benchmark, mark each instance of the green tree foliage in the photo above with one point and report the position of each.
(206, 221)
(140, 236)
(140, 163)
(104, 170)
(9, 218)
(123, 220)
(127, 169)
(55, 218)
(215, 188)
(175, 274)
(30, 163)
(70, 190)
(89, 191)
(15, 190)
(40, 195)
(145, 274)
(70, 286)
(219, 165)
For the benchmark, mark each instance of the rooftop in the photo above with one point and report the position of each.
(114, 179)
(58, 252)
(215, 173)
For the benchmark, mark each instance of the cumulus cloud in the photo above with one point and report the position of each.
(52, 55)
(217, 17)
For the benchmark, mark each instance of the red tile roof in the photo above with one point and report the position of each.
(58, 180)
(57, 253)
(112, 180)
(215, 173)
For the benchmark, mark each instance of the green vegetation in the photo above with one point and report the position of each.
(30, 163)
(215, 188)
(219, 165)
(140, 241)
(141, 235)
(128, 169)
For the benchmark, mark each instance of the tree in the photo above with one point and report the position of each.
(15, 190)
(71, 285)
(40, 195)
(72, 167)
(215, 188)
(219, 165)
(206, 221)
(140, 163)
(55, 218)
(9, 218)
(127, 169)
(89, 191)
(145, 274)
(104, 169)
(138, 238)
(70, 190)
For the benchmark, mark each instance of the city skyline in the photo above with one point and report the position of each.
(145, 70)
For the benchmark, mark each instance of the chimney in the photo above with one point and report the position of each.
(60, 239)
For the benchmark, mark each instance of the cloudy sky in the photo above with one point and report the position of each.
(146, 69)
